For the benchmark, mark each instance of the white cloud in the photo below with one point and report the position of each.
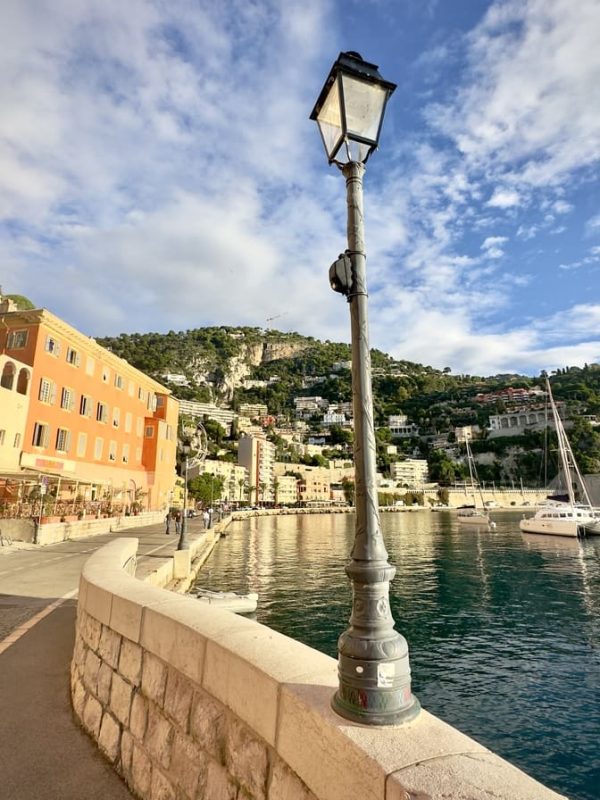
(504, 198)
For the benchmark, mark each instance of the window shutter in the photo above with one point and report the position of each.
(77, 359)
(68, 441)
(52, 392)
(46, 435)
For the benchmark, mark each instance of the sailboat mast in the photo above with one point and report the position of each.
(566, 453)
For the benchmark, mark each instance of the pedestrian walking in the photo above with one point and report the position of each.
(205, 519)
(178, 524)
(168, 524)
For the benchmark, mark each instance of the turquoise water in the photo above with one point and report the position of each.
(503, 627)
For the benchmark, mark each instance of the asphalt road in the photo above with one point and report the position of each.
(43, 751)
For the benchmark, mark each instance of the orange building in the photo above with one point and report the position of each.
(72, 410)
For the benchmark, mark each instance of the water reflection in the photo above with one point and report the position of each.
(503, 627)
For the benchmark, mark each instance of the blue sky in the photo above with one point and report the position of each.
(158, 171)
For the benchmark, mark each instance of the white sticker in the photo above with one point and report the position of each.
(385, 675)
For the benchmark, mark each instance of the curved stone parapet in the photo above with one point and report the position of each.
(190, 702)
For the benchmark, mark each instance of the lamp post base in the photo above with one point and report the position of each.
(375, 705)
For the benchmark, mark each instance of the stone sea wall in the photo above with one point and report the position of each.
(190, 702)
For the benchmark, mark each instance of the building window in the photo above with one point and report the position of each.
(138, 454)
(149, 432)
(118, 381)
(160, 401)
(63, 440)
(17, 440)
(41, 434)
(67, 399)
(141, 394)
(81, 444)
(101, 412)
(98, 447)
(85, 405)
(116, 420)
(52, 346)
(131, 388)
(23, 381)
(90, 366)
(2, 436)
(47, 391)
(8, 375)
(139, 426)
(125, 456)
(128, 420)
(105, 374)
(112, 451)
(16, 340)
(151, 402)
(73, 357)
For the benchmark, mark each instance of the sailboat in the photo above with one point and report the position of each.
(562, 514)
(471, 515)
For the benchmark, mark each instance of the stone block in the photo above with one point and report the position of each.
(173, 641)
(126, 753)
(120, 698)
(139, 716)
(109, 739)
(90, 630)
(178, 699)
(141, 771)
(188, 764)
(126, 617)
(162, 788)
(246, 759)
(208, 725)
(477, 776)
(182, 563)
(98, 603)
(158, 738)
(219, 786)
(79, 653)
(154, 678)
(246, 689)
(92, 716)
(130, 661)
(90, 671)
(286, 784)
(109, 646)
(78, 696)
(105, 674)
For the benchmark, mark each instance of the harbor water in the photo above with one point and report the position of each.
(503, 627)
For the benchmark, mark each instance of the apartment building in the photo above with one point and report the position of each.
(257, 455)
(412, 472)
(400, 426)
(286, 490)
(223, 416)
(235, 478)
(74, 411)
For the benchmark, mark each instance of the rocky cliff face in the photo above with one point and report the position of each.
(275, 350)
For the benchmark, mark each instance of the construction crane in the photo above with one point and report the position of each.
(277, 316)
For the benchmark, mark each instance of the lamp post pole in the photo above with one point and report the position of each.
(183, 543)
(374, 671)
(373, 666)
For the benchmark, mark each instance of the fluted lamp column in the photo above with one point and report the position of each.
(373, 664)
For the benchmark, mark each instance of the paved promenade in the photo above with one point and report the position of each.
(43, 751)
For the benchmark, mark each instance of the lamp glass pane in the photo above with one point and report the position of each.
(329, 119)
(364, 103)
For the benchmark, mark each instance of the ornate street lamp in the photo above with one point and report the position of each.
(195, 451)
(373, 667)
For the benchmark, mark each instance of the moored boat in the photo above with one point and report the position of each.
(564, 515)
(229, 601)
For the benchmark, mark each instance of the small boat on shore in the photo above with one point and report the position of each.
(229, 601)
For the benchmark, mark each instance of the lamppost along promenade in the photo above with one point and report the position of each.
(196, 447)
(373, 665)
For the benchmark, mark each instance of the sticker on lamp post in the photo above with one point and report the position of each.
(385, 675)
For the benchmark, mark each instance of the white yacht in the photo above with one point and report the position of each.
(563, 515)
